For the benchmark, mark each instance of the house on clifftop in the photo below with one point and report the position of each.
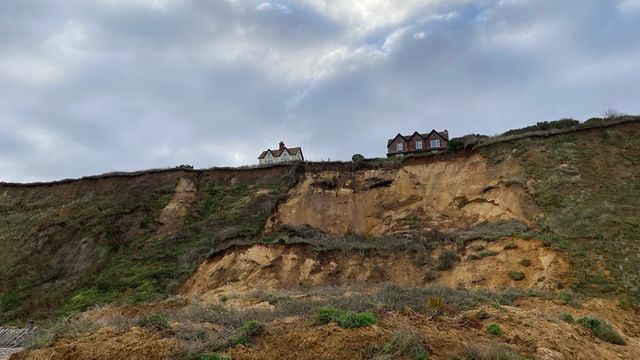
(283, 154)
(402, 145)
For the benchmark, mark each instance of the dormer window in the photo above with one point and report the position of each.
(418, 145)
(399, 147)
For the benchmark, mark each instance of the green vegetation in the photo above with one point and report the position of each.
(155, 321)
(495, 329)
(345, 318)
(106, 243)
(246, 333)
(510, 246)
(487, 253)
(525, 262)
(602, 330)
(212, 356)
(516, 275)
(566, 317)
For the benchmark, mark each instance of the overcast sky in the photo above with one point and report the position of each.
(88, 87)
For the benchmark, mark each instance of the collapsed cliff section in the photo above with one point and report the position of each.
(478, 265)
(445, 194)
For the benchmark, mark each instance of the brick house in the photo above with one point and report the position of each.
(417, 143)
(283, 154)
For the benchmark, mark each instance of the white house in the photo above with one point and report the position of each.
(283, 154)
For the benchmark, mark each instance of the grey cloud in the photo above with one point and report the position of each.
(215, 82)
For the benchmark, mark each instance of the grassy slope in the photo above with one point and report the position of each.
(69, 246)
(66, 247)
(588, 186)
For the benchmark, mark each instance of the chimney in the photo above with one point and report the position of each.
(281, 145)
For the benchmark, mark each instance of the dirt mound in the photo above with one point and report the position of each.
(446, 195)
(108, 344)
(272, 267)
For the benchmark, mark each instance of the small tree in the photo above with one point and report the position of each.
(357, 158)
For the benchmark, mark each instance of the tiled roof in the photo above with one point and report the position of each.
(444, 134)
(277, 153)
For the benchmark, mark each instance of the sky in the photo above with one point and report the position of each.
(88, 87)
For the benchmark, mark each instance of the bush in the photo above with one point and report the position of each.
(525, 262)
(247, 332)
(345, 318)
(446, 260)
(516, 275)
(487, 253)
(495, 329)
(567, 318)
(155, 321)
(568, 299)
(357, 158)
(602, 330)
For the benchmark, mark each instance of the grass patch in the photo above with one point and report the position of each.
(247, 333)
(566, 317)
(487, 253)
(602, 330)
(495, 329)
(525, 262)
(345, 318)
(406, 343)
(157, 322)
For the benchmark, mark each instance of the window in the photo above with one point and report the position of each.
(418, 145)
(400, 147)
(434, 143)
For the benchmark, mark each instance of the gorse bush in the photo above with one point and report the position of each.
(602, 330)
(155, 321)
(345, 318)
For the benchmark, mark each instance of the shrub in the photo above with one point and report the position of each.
(446, 260)
(155, 321)
(495, 329)
(487, 253)
(516, 275)
(246, 333)
(567, 318)
(525, 262)
(357, 158)
(568, 299)
(406, 343)
(602, 330)
(345, 318)
(436, 305)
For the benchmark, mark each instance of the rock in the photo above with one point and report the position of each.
(548, 354)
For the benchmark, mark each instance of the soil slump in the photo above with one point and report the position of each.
(445, 195)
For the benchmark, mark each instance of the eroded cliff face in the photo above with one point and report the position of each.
(276, 267)
(445, 195)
